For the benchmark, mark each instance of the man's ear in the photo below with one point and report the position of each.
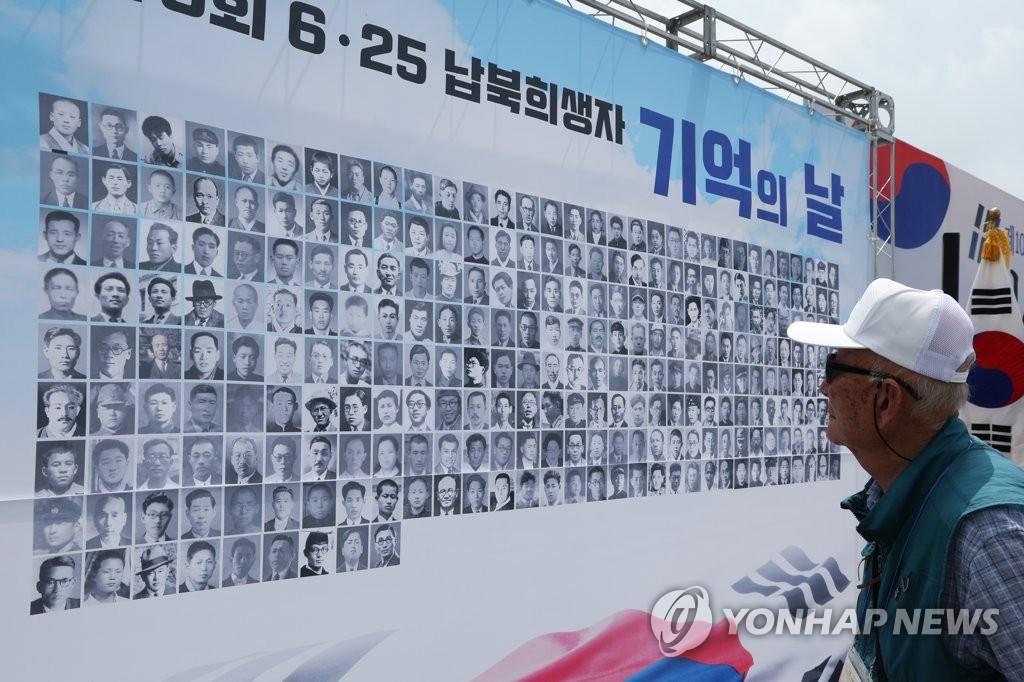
(890, 402)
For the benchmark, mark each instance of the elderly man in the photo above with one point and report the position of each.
(942, 512)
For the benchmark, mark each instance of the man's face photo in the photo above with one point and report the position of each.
(163, 143)
(503, 291)
(242, 559)
(111, 466)
(64, 175)
(502, 451)
(202, 457)
(285, 213)
(320, 502)
(56, 586)
(159, 247)
(58, 532)
(284, 360)
(316, 553)
(321, 413)
(62, 353)
(207, 149)
(528, 330)
(502, 205)
(115, 240)
(284, 308)
(503, 244)
(280, 556)
(107, 575)
(285, 260)
(161, 188)
(283, 504)
(447, 492)
(201, 567)
(284, 165)
(156, 579)
(353, 503)
(116, 181)
(201, 514)
(243, 458)
(205, 248)
(388, 269)
(283, 407)
(205, 354)
(319, 457)
(356, 268)
(245, 509)
(156, 518)
(247, 203)
(245, 360)
(66, 117)
(356, 224)
(61, 237)
(247, 159)
(60, 470)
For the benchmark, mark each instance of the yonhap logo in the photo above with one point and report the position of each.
(681, 620)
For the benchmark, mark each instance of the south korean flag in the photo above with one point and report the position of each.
(995, 411)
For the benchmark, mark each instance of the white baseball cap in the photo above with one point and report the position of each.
(925, 331)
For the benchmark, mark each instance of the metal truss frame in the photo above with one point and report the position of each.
(701, 32)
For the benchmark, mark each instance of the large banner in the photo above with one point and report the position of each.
(291, 283)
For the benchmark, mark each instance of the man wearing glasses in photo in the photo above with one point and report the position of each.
(943, 512)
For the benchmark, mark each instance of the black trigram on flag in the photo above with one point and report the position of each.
(998, 436)
(991, 301)
(792, 576)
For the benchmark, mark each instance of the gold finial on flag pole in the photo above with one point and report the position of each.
(997, 241)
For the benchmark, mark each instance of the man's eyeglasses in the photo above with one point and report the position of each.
(832, 368)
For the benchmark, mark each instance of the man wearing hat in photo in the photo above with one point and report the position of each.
(207, 156)
(115, 413)
(448, 282)
(476, 206)
(58, 526)
(575, 335)
(321, 408)
(204, 299)
(693, 411)
(529, 370)
(943, 512)
(154, 566)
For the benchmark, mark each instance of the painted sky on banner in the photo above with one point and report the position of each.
(565, 48)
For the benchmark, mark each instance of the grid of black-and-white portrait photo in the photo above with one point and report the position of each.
(257, 358)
